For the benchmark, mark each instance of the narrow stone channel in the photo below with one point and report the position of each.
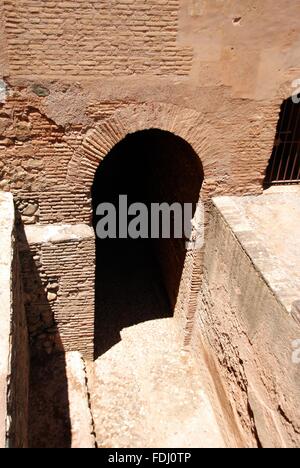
(145, 392)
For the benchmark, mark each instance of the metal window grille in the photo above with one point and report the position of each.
(284, 165)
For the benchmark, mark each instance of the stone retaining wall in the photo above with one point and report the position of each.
(58, 266)
(14, 358)
(245, 334)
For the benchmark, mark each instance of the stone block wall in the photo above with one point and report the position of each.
(77, 77)
(58, 267)
(245, 334)
(69, 67)
(14, 362)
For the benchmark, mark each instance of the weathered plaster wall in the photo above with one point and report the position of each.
(58, 266)
(245, 333)
(73, 65)
(14, 362)
(249, 46)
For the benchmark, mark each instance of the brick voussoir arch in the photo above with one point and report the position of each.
(185, 123)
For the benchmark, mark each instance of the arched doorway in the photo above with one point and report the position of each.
(139, 279)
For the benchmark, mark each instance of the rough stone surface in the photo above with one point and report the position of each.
(60, 415)
(268, 227)
(80, 414)
(58, 266)
(244, 328)
(6, 262)
(130, 388)
(14, 362)
(75, 79)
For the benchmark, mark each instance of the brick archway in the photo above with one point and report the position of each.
(184, 123)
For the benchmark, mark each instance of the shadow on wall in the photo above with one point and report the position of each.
(17, 401)
(49, 418)
(139, 280)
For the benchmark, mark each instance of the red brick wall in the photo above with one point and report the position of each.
(88, 37)
(59, 277)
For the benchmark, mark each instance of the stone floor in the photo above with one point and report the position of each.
(145, 392)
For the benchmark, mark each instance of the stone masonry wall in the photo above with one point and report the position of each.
(86, 37)
(14, 362)
(70, 67)
(40, 160)
(77, 77)
(58, 266)
(244, 333)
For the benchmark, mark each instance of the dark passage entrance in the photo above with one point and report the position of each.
(138, 279)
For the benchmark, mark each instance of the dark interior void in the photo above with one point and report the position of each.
(138, 279)
(284, 165)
